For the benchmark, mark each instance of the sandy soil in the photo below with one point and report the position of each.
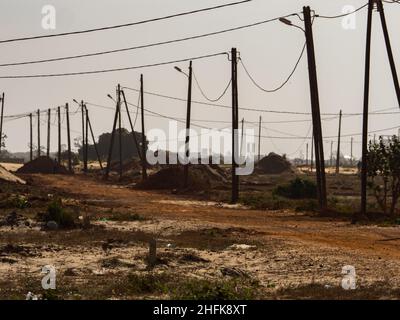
(287, 249)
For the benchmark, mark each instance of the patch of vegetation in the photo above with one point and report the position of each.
(149, 283)
(56, 212)
(264, 202)
(297, 189)
(202, 289)
(127, 217)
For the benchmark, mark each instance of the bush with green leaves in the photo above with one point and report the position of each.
(297, 189)
(383, 170)
(56, 212)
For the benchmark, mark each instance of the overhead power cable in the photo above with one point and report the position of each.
(284, 82)
(99, 53)
(130, 24)
(110, 70)
(341, 15)
(205, 96)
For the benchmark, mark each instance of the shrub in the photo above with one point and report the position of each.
(201, 289)
(56, 212)
(297, 189)
(264, 202)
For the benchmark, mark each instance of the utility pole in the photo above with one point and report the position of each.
(48, 132)
(316, 115)
(87, 135)
(144, 161)
(306, 154)
(59, 134)
(331, 154)
(69, 138)
(351, 151)
(119, 130)
(235, 126)
(187, 140)
(83, 137)
(31, 138)
(259, 139)
(312, 153)
(1, 120)
(38, 128)
(338, 144)
(94, 139)
(111, 143)
(241, 138)
(131, 124)
(365, 115)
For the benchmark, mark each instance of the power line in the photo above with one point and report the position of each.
(252, 109)
(341, 15)
(142, 46)
(284, 82)
(130, 24)
(110, 70)
(205, 96)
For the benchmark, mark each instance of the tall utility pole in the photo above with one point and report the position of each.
(259, 139)
(351, 151)
(31, 138)
(144, 161)
(69, 138)
(1, 120)
(48, 132)
(187, 140)
(119, 130)
(312, 154)
(235, 126)
(94, 139)
(241, 139)
(365, 115)
(338, 143)
(83, 137)
(316, 115)
(131, 124)
(331, 154)
(110, 150)
(306, 154)
(87, 137)
(38, 128)
(59, 133)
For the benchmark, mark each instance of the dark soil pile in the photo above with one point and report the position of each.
(201, 177)
(43, 165)
(274, 164)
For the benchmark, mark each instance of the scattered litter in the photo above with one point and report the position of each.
(6, 175)
(234, 272)
(242, 247)
(31, 296)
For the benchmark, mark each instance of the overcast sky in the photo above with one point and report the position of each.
(269, 52)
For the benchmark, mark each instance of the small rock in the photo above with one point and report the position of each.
(234, 272)
(52, 225)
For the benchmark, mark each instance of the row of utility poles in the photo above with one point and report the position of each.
(317, 147)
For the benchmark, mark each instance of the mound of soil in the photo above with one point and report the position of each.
(274, 164)
(44, 165)
(5, 175)
(201, 177)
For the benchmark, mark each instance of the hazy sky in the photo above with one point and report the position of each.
(269, 51)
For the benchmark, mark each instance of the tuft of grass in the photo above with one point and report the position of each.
(264, 202)
(127, 217)
(297, 189)
(202, 289)
(56, 212)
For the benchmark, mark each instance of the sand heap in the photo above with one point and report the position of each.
(201, 177)
(5, 175)
(43, 165)
(274, 164)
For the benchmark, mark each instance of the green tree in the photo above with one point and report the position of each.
(383, 171)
